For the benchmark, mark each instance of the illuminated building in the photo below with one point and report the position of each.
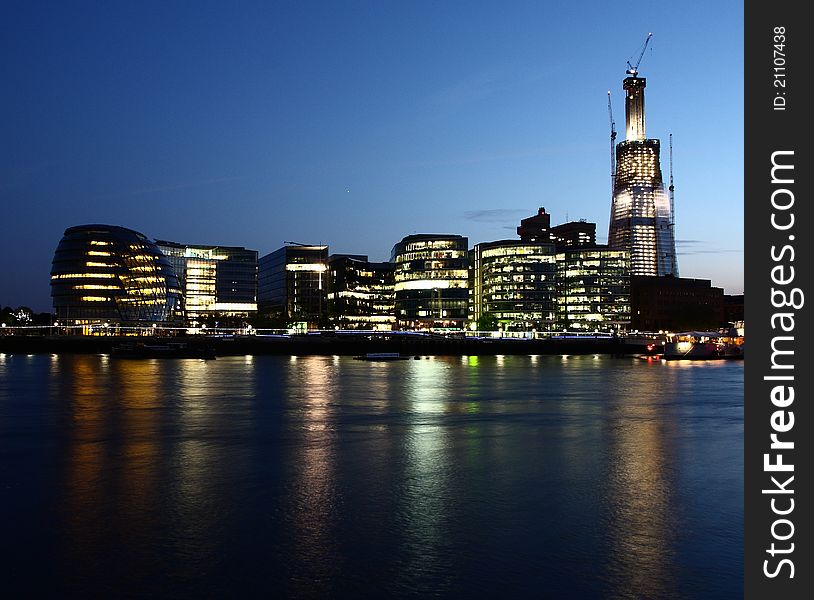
(292, 286)
(676, 304)
(567, 235)
(431, 281)
(574, 234)
(515, 283)
(594, 289)
(360, 292)
(641, 220)
(217, 281)
(109, 274)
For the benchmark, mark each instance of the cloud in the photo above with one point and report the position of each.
(689, 247)
(174, 186)
(689, 252)
(495, 215)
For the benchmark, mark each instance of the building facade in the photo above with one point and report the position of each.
(109, 274)
(594, 289)
(293, 286)
(361, 293)
(574, 234)
(536, 228)
(219, 282)
(431, 281)
(641, 221)
(676, 304)
(514, 285)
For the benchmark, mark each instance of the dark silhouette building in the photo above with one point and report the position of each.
(536, 228)
(675, 304)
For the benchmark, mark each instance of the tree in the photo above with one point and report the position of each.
(487, 322)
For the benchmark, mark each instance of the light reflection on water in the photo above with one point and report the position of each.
(320, 476)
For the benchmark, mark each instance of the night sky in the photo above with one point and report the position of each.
(355, 123)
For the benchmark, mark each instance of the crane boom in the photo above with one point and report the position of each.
(634, 69)
(672, 189)
(612, 145)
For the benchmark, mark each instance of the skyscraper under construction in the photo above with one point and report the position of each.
(641, 213)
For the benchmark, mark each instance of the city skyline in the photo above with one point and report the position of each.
(355, 128)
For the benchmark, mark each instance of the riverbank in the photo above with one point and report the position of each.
(343, 345)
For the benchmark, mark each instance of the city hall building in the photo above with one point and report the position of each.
(109, 274)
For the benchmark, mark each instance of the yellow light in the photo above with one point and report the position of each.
(306, 267)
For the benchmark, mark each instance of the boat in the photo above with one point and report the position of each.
(167, 350)
(703, 345)
(382, 356)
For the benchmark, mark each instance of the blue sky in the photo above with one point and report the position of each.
(355, 123)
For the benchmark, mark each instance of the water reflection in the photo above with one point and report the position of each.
(642, 512)
(313, 502)
(317, 476)
(424, 499)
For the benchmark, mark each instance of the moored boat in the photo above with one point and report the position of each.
(703, 345)
(382, 356)
(168, 350)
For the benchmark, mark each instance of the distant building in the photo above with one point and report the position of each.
(641, 220)
(108, 274)
(514, 283)
(594, 289)
(361, 293)
(675, 304)
(733, 308)
(293, 286)
(217, 281)
(431, 281)
(574, 234)
(536, 228)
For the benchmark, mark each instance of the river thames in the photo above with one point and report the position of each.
(489, 476)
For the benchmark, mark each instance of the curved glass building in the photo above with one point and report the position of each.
(105, 273)
(431, 281)
(515, 282)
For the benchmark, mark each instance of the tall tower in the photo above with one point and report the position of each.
(640, 218)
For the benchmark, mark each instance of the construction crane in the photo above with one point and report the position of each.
(634, 69)
(612, 145)
(672, 225)
(672, 189)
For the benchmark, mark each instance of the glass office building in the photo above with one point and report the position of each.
(217, 281)
(514, 282)
(431, 281)
(360, 293)
(293, 286)
(110, 274)
(594, 289)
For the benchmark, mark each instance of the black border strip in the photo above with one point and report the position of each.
(777, 105)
